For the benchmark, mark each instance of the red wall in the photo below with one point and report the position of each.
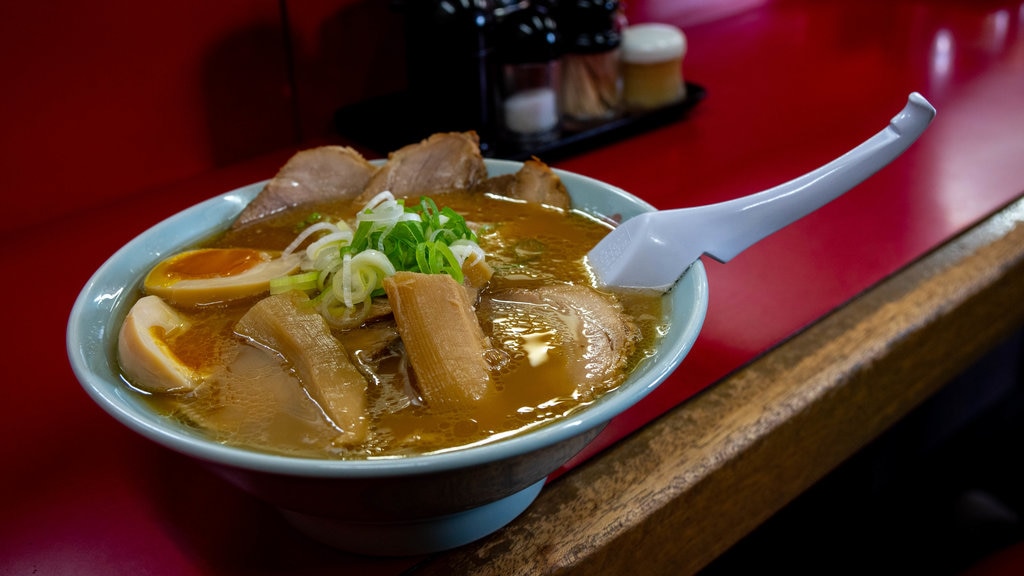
(115, 97)
(103, 99)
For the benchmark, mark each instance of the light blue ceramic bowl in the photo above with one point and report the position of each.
(400, 506)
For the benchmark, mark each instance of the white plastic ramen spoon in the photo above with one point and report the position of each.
(653, 249)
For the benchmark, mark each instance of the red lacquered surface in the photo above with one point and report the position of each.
(790, 86)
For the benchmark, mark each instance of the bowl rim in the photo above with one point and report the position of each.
(105, 392)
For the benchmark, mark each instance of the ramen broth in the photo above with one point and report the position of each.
(248, 400)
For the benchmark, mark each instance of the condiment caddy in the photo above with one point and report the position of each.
(545, 78)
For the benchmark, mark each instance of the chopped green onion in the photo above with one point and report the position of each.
(344, 266)
(304, 281)
(308, 221)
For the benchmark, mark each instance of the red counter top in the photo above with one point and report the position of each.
(790, 86)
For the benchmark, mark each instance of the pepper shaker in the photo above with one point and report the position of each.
(591, 81)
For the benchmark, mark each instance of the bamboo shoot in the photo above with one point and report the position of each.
(442, 338)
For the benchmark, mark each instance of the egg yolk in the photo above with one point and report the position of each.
(211, 263)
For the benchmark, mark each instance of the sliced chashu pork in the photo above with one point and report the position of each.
(534, 182)
(310, 176)
(588, 329)
(441, 162)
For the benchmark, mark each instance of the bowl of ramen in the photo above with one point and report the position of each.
(396, 354)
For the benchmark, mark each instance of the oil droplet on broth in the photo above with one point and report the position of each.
(465, 428)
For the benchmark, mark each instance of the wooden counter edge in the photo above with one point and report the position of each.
(678, 493)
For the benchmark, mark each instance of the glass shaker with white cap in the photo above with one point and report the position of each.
(652, 66)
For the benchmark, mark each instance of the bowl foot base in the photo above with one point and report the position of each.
(422, 536)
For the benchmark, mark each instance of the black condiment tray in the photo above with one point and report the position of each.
(387, 123)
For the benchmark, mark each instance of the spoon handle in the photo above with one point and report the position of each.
(653, 249)
(737, 224)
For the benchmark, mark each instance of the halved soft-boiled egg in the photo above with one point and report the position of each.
(142, 348)
(213, 275)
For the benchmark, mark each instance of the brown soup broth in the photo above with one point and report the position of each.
(526, 244)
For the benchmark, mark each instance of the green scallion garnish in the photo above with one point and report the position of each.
(345, 265)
